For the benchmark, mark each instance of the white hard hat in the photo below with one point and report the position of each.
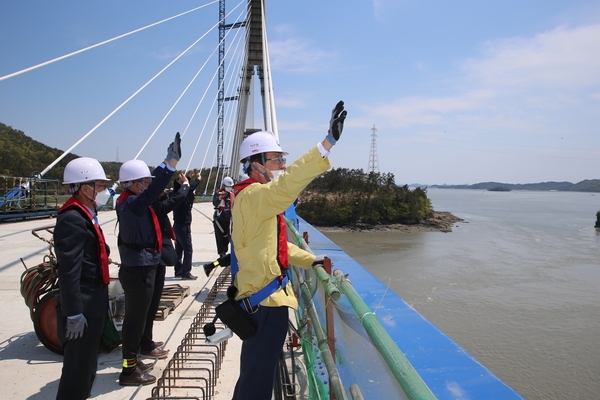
(227, 181)
(259, 142)
(83, 169)
(134, 169)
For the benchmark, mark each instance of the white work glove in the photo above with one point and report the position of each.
(76, 324)
(319, 259)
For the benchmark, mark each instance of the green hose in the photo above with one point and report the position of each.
(334, 377)
(410, 380)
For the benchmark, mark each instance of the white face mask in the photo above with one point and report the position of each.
(228, 188)
(102, 197)
(277, 173)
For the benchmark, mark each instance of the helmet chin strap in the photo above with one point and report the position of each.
(248, 166)
(142, 188)
(264, 173)
(93, 201)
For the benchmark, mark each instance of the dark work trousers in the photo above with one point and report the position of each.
(138, 284)
(221, 237)
(183, 248)
(260, 354)
(80, 359)
(147, 343)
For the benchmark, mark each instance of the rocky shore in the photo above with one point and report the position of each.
(439, 221)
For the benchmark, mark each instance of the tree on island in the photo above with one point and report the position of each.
(350, 196)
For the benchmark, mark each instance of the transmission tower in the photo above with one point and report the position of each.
(373, 161)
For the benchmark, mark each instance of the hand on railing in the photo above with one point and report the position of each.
(319, 259)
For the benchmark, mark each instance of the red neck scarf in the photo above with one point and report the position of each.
(282, 250)
(102, 253)
(155, 223)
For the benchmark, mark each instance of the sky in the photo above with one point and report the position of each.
(459, 92)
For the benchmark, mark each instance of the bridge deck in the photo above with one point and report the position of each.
(31, 371)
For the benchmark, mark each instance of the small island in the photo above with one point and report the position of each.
(439, 221)
(499, 189)
(352, 200)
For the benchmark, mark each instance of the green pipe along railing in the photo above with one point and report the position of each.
(334, 287)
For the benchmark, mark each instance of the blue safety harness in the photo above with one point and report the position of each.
(251, 303)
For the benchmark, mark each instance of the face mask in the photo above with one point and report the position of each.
(228, 189)
(102, 197)
(277, 173)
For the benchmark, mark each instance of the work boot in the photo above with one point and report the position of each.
(156, 353)
(208, 267)
(144, 367)
(136, 378)
(188, 277)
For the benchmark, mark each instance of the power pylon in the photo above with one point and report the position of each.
(373, 161)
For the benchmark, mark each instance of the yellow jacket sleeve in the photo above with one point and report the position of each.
(254, 233)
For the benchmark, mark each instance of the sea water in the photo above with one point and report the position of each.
(517, 284)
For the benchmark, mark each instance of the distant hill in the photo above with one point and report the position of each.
(20, 155)
(588, 185)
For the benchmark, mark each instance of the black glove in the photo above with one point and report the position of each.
(174, 150)
(336, 124)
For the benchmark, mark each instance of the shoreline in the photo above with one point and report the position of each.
(439, 221)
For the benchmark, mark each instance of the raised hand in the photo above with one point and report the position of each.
(336, 123)
(174, 150)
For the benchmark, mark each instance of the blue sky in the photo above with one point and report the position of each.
(459, 91)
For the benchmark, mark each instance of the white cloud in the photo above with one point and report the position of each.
(290, 102)
(528, 85)
(426, 110)
(384, 9)
(559, 58)
(294, 54)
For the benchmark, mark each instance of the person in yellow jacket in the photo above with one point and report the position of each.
(262, 251)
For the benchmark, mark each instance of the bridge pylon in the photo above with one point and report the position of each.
(256, 61)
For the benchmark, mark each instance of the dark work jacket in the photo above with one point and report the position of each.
(182, 214)
(76, 248)
(225, 215)
(162, 210)
(135, 222)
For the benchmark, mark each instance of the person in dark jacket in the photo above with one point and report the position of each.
(222, 199)
(162, 207)
(82, 256)
(140, 245)
(182, 220)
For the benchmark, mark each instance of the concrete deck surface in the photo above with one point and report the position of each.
(31, 371)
